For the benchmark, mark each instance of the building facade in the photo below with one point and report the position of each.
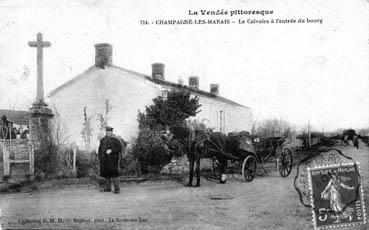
(114, 94)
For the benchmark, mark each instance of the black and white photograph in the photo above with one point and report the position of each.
(174, 114)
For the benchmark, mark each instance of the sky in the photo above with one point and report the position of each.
(299, 72)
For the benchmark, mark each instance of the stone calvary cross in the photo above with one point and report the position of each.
(39, 44)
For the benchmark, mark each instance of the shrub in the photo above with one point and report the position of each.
(169, 110)
(176, 147)
(150, 151)
(94, 165)
(87, 164)
(129, 165)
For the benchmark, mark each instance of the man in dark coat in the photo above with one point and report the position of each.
(355, 141)
(109, 150)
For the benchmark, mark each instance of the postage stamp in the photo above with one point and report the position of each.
(318, 158)
(336, 196)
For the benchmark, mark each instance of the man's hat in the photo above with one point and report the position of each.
(108, 128)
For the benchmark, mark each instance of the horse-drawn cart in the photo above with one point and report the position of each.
(235, 147)
(241, 147)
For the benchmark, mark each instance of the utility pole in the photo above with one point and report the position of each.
(323, 130)
(309, 136)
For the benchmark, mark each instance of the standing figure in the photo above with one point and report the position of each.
(345, 140)
(109, 149)
(4, 128)
(332, 192)
(355, 141)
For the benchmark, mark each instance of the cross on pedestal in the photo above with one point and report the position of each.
(39, 44)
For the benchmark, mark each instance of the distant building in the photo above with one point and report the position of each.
(129, 92)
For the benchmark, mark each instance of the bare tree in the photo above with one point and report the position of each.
(12, 104)
(253, 127)
(86, 129)
(103, 118)
(58, 129)
(274, 127)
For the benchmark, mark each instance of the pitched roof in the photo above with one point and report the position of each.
(16, 116)
(71, 81)
(154, 80)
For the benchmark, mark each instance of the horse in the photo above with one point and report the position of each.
(195, 144)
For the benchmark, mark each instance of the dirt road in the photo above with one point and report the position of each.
(268, 202)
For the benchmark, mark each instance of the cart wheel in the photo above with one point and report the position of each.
(215, 169)
(249, 168)
(284, 162)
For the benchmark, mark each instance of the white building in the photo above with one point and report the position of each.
(129, 92)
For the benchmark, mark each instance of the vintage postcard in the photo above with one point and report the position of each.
(175, 114)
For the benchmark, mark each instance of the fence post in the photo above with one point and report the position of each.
(74, 160)
(6, 160)
(31, 161)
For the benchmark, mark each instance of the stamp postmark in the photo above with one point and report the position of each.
(336, 196)
(317, 158)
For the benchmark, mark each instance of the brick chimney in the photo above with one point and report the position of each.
(158, 70)
(103, 54)
(214, 89)
(193, 82)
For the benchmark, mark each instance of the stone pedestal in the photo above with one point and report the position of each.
(40, 126)
(40, 135)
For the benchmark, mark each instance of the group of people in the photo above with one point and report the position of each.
(110, 149)
(7, 131)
